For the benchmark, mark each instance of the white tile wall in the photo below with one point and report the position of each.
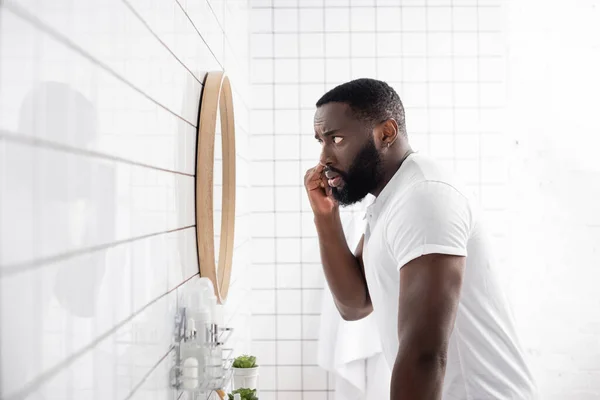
(447, 60)
(98, 112)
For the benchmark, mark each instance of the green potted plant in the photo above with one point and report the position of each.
(245, 394)
(245, 372)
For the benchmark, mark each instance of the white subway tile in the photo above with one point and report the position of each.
(337, 20)
(389, 18)
(265, 353)
(337, 44)
(267, 378)
(309, 352)
(321, 395)
(288, 301)
(438, 44)
(261, 147)
(289, 378)
(466, 18)
(263, 301)
(286, 122)
(263, 96)
(311, 301)
(262, 199)
(263, 250)
(261, 71)
(287, 96)
(261, 20)
(263, 225)
(312, 70)
(263, 327)
(261, 45)
(310, 94)
(491, 44)
(262, 276)
(286, 45)
(312, 45)
(337, 70)
(363, 44)
(310, 326)
(312, 274)
(288, 225)
(442, 145)
(286, 149)
(289, 353)
(261, 121)
(465, 44)
(467, 120)
(311, 20)
(362, 19)
(285, 20)
(439, 19)
(391, 70)
(288, 250)
(286, 71)
(289, 327)
(289, 276)
(364, 68)
(315, 378)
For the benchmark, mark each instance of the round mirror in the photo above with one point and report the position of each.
(215, 183)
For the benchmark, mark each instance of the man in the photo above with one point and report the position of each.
(423, 265)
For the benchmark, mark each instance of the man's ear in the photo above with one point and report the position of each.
(389, 132)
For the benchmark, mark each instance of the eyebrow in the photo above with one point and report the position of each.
(328, 133)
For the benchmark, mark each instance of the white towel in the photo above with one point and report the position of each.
(351, 350)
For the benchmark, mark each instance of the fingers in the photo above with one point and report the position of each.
(313, 178)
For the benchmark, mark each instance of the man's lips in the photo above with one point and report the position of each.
(330, 174)
(333, 178)
(335, 182)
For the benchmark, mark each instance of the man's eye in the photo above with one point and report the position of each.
(337, 139)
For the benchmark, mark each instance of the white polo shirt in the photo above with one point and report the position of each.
(423, 211)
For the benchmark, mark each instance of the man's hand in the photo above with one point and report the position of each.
(319, 192)
(429, 294)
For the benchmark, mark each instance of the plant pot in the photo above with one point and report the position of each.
(245, 378)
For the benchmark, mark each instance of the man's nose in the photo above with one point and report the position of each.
(325, 157)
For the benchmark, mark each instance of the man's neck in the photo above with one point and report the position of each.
(391, 166)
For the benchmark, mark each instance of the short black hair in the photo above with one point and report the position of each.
(371, 100)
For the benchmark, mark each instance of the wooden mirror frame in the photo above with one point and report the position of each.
(216, 96)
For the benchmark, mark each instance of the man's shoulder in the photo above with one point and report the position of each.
(424, 175)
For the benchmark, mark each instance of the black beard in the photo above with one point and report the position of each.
(363, 176)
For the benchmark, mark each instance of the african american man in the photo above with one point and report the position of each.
(423, 266)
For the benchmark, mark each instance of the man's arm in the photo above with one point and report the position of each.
(344, 271)
(429, 293)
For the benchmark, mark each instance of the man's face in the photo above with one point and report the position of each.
(352, 161)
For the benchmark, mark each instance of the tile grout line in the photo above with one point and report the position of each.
(59, 37)
(14, 269)
(199, 34)
(155, 35)
(2, 150)
(147, 375)
(299, 64)
(48, 144)
(48, 374)
(274, 197)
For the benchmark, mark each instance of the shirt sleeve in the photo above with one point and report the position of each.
(432, 218)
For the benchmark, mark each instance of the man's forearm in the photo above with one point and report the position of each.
(418, 376)
(341, 267)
